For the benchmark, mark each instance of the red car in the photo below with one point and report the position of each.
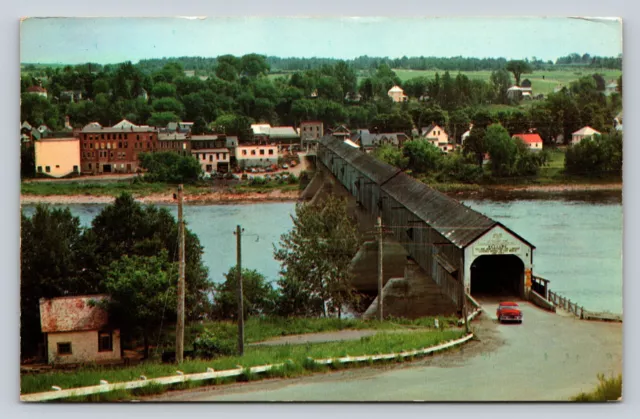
(509, 311)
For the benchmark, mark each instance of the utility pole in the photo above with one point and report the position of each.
(181, 283)
(238, 234)
(380, 304)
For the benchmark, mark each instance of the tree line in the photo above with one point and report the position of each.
(240, 93)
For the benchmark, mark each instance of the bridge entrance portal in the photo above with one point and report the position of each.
(497, 275)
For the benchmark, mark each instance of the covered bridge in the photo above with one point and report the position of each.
(448, 240)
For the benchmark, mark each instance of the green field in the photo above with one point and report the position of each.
(538, 83)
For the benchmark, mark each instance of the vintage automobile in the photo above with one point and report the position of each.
(509, 311)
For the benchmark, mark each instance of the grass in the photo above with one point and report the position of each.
(608, 389)
(254, 355)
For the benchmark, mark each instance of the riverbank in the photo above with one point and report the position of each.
(286, 194)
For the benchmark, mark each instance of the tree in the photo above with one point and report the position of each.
(597, 156)
(237, 125)
(50, 244)
(315, 257)
(253, 65)
(391, 155)
(168, 104)
(517, 68)
(27, 161)
(259, 297)
(161, 119)
(502, 149)
(226, 71)
(142, 293)
(500, 82)
(164, 89)
(423, 156)
(394, 122)
(170, 167)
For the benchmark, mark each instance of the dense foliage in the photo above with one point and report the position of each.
(315, 257)
(259, 297)
(170, 167)
(60, 257)
(600, 155)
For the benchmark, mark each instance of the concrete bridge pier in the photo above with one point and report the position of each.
(412, 296)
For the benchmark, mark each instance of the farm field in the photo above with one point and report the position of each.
(542, 81)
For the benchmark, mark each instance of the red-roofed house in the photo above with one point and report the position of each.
(533, 141)
(78, 331)
(37, 90)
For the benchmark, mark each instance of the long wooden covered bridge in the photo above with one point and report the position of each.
(454, 246)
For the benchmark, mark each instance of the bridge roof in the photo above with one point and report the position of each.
(379, 172)
(459, 224)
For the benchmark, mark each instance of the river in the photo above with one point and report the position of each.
(578, 242)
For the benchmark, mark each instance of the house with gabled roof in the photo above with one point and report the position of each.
(77, 330)
(582, 133)
(435, 134)
(531, 140)
(397, 94)
(341, 132)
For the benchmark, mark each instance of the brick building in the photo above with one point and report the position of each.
(115, 149)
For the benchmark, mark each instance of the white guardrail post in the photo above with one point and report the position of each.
(105, 387)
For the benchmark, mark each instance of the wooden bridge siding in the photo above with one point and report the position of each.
(398, 219)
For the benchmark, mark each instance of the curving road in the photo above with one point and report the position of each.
(548, 357)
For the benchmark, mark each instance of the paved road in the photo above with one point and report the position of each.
(548, 357)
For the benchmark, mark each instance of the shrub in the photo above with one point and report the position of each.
(209, 345)
(608, 389)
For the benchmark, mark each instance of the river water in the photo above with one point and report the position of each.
(578, 242)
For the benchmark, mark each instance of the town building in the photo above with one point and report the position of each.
(367, 141)
(37, 90)
(531, 140)
(115, 149)
(310, 132)
(77, 331)
(583, 133)
(176, 142)
(57, 157)
(213, 159)
(341, 132)
(519, 92)
(435, 134)
(397, 94)
(248, 156)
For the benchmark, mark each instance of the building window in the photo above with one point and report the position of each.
(210, 157)
(102, 136)
(75, 169)
(271, 152)
(39, 169)
(89, 166)
(262, 152)
(64, 348)
(105, 342)
(125, 136)
(410, 233)
(137, 137)
(217, 156)
(57, 166)
(244, 152)
(253, 152)
(47, 169)
(90, 145)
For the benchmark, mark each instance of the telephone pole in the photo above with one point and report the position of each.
(181, 283)
(379, 228)
(238, 234)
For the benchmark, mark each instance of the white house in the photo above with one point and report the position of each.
(583, 133)
(397, 94)
(435, 134)
(256, 155)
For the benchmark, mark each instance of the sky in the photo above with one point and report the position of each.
(114, 40)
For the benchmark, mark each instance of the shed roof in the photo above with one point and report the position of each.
(282, 132)
(69, 314)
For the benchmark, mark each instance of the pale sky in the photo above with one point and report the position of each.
(114, 40)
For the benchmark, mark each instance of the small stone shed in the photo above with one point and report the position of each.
(77, 331)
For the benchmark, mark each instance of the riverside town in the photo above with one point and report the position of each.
(411, 222)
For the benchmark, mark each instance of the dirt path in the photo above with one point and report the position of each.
(548, 357)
